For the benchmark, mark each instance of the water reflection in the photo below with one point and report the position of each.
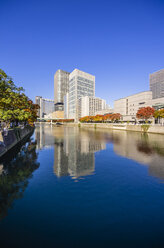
(14, 175)
(146, 149)
(74, 148)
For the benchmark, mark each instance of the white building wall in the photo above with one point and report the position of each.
(66, 109)
(130, 105)
(80, 84)
(89, 105)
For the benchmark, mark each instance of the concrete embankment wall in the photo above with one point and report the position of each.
(12, 138)
(136, 128)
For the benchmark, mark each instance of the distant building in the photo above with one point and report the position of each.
(157, 103)
(61, 86)
(46, 106)
(129, 105)
(157, 84)
(80, 84)
(105, 111)
(89, 105)
(55, 115)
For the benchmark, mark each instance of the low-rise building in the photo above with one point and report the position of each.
(89, 105)
(129, 105)
(105, 111)
(55, 115)
(157, 103)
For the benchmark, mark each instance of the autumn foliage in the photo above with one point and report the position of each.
(145, 113)
(62, 120)
(101, 118)
(159, 113)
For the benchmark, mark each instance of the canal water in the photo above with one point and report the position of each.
(74, 187)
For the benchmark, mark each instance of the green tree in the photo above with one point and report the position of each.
(15, 106)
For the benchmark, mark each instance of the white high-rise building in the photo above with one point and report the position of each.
(66, 105)
(80, 84)
(89, 105)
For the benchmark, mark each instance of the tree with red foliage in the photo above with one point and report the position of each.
(145, 113)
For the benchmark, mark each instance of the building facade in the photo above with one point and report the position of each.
(157, 103)
(46, 106)
(80, 84)
(129, 105)
(105, 111)
(61, 87)
(89, 105)
(157, 84)
(66, 104)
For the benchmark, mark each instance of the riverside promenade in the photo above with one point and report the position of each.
(9, 139)
(156, 128)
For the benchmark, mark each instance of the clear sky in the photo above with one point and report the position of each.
(119, 41)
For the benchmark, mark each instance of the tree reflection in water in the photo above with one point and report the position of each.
(148, 147)
(14, 176)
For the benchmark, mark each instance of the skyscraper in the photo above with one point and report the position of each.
(80, 84)
(61, 80)
(46, 106)
(157, 83)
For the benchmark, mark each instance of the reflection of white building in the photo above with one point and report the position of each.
(74, 153)
(44, 135)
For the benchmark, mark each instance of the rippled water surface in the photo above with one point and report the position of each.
(74, 187)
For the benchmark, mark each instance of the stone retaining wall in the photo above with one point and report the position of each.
(116, 126)
(11, 138)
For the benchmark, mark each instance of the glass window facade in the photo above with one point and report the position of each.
(61, 86)
(79, 86)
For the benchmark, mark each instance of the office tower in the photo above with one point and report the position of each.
(157, 84)
(38, 101)
(80, 84)
(61, 81)
(46, 106)
(89, 105)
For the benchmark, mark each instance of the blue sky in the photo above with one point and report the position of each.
(121, 42)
